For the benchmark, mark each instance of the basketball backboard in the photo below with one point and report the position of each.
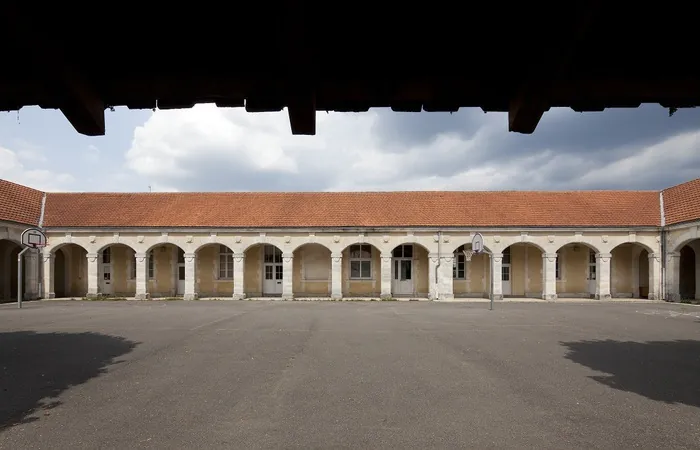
(478, 243)
(33, 238)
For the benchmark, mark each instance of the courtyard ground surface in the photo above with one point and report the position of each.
(239, 374)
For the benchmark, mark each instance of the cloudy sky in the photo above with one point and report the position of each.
(210, 149)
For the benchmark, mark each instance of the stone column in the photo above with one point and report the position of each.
(445, 283)
(673, 272)
(337, 276)
(190, 276)
(549, 276)
(496, 276)
(238, 276)
(385, 285)
(141, 276)
(697, 271)
(92, 274)
(31, 275)
(602, 282)
(47, 285)
(433, 277)
(287, 276)
(654, 276)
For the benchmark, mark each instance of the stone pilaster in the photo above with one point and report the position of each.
(337, 276)
(93, 286)
(238, 276)
(654, 276)
(673, 271)
(288, 276)
(549, 276)
(385, 286)
(496, 276)
(47, 284)
(31, 275)
(141, 276)
(602, 282)
(190, 276)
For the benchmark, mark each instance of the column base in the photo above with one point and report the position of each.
(603, 297)
(238, 296)
(651, 296)
(497, 297)
(675, 298)
(287, 296)
(190, 296)
(336, 296)
(92, 295)
(549, 297)
(145, 296)
(51, 295)
(384, 296)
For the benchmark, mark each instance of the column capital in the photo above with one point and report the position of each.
(288, 255)
(603, 255)
(337, 256)
(656, 256)
(674, 254)
(549, 256)
(386, 255)
(140, 256)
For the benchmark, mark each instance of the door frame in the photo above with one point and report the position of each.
(106, 288)
(396, 264)
(591, 279)
(277, 283)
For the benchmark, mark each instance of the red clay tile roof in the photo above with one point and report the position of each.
(19, 203)
(682, 202)
(347, 209)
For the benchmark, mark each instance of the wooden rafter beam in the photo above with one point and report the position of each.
(79, 101)
(531, 101)
(301, 96)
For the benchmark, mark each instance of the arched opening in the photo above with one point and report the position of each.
(9, 251)
(470, 278)
(688, 271)
(409, 271)
(362, 271)
(214, 271)
(312, 271)
(629, 271)
(116, 270)
(521, 271)
(70, 271)
(576, 271)
(264, 271)
(165, 270)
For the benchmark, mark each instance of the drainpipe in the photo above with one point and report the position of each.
(437, 266)
(663, 246)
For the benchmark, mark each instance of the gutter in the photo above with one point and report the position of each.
(43, 209)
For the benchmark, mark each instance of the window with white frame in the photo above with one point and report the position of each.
(225, 263)
(592, 265)
(459, 264)
(151, 266)
(107, 255)
(361, 262)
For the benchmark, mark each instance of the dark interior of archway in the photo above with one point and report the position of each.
(687, 273)
(643, 277)
(59, 271)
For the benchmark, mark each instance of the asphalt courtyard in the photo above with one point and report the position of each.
(238, 374)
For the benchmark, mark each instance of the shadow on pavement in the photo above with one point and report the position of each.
(36, 367)
(667, 371)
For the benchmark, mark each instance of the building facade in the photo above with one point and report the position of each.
(547, 245)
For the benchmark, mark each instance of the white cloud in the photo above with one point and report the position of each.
(14, 168)
(209, 148)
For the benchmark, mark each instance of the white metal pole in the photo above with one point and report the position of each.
(19, 276)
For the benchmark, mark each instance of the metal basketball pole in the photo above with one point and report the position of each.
(19, 276)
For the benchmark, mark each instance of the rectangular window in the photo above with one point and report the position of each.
(361, 262)
(225, 263)
(459, 264)
(557, 263)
